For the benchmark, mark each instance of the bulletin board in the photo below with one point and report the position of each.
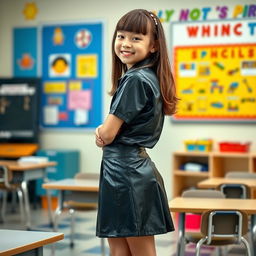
(25, 52)
(216, 82)
(72, 75)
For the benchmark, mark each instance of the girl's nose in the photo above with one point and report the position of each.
(126, 44)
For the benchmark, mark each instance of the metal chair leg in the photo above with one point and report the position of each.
(21, 203)
(199, 244)
(24, 188)
(13, 202)
(72, 226)
(3, 211)
(247, 246)
(56, 219)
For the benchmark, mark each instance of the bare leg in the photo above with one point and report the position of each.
(119, 247)
(142, 245)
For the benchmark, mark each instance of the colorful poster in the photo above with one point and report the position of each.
(25, 52)
(72, 72)
(216, 81)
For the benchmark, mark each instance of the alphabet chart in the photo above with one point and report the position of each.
(215, 70)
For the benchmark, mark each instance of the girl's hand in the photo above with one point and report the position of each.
(99, 142)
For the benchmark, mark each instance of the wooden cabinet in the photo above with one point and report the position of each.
(218, 165)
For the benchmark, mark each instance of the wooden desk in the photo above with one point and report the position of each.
(199, 205)
(78, 190)
(24, 172)
(26, 242)
(89, 185)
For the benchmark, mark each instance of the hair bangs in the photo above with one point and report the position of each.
(136, 22)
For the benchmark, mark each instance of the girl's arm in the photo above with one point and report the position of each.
(107, 132)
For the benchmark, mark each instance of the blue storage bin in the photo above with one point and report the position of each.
(68, 164)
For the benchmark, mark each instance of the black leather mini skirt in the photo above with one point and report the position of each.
(132, 198)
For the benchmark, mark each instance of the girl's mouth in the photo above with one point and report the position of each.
(126, 53)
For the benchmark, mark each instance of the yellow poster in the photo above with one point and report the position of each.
(216, 81)
(87, 66)
(55, 87)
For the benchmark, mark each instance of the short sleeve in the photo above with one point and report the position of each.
(130, 99)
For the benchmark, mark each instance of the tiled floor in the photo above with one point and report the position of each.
(86, 243)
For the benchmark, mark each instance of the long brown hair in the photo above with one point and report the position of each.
(142, 22)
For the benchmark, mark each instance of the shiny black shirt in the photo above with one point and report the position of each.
(138, 102)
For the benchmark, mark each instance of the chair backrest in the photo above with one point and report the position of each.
(203, 193)
(240, 175)
(224, 224)
(85, 175)
(235, 190)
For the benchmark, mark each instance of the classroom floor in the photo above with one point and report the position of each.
(86, 243)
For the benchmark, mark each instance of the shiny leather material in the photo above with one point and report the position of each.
(138, 102)
(132, 198)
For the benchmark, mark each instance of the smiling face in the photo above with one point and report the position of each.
(132, 47)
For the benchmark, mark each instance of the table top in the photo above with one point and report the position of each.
(20, 166)
(199, 205)
(215, 182)
(74, 185)
(18, 241)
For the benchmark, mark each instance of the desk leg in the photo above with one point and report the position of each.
(58, 210)
(102, 244)
(4, 202)
(26, 202)
(49, 201)
(181, 240)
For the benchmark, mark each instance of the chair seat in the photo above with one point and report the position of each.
(194, 237)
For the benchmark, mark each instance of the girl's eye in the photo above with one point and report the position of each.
(119, 36)
(136, 39)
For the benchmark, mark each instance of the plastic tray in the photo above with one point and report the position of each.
(234, 147)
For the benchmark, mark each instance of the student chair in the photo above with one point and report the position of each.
(235, 190)
(6, 185)
(194, 237)
(220, 227)
(240, 191)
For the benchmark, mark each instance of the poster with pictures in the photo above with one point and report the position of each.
(72, 75)
(215, 70)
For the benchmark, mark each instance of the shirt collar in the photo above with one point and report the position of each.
(139, 64)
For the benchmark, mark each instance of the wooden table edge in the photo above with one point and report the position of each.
(197, 210)
(27, 166)
(25, 248)
(69, 187)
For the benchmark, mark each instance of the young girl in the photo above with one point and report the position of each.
(133, 205)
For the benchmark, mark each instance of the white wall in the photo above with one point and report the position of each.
(110, 11)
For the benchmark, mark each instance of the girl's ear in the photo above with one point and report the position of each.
(154, 47)
(153, 50)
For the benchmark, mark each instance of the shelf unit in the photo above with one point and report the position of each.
(219, 163)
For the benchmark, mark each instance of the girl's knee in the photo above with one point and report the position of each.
(141, 246)
(119, 247)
